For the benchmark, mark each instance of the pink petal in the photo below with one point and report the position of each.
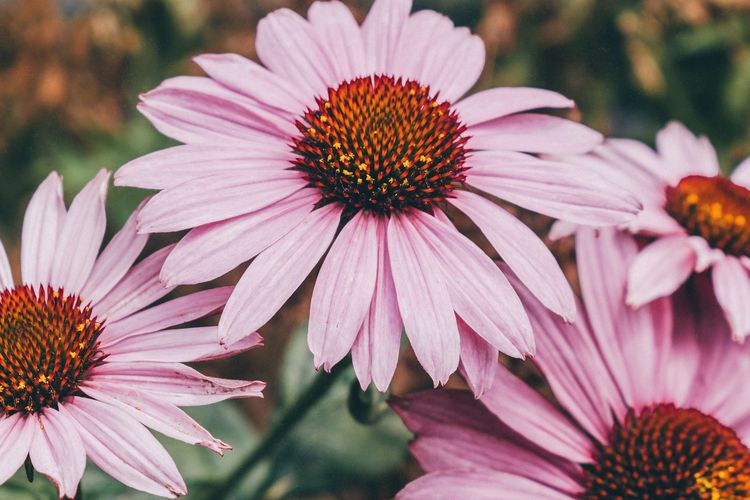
(660, 269)
(522, 250)
(170, 167)
(562, 229)
(560, 190)
(81, 236)
(340, 38)
(654, 221)
(503, 101)
(732, 288)
(376, 349)
(160, 416)
(172, 382)
(685, 154)
(41, 229)
(287, 45)
(479, 291)
(139, 288)
(114, 261)
(423, 300)
(381, 32)
(124, 449)
(478, 360)
(228, 195)
(57, 451)
(6, 275)
(533, 133)
(210, 251)
(174, 312)
(277, 272)
(16, 433)
(741, 174)
(532, 416)
(343, 290)
(705, 255)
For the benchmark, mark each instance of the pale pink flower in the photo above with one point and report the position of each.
(86, 365)
(352, 139)
(697, 218)
(650, 404)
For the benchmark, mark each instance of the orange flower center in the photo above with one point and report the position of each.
(716, 209)
(668, 452)
(49, 342)
(381, 144)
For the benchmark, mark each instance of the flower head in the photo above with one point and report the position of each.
(86, 365)
(353, 139)
(648, 404)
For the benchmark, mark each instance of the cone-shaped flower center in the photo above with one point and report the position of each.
(48, 341)
(667, 452)
(716, 209)
(381, 144)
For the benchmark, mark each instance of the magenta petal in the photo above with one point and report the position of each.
(503, 101)
(660, 269)
(478, 360)
(57, 451)
(16, 433)
(343, 290)
(732, 288)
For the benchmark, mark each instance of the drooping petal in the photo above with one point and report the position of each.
(16, 433)
(124, 449)
(423, 300)
(340, 38)
(343, 291)
(732, 288)
(478, 360)
(81, 236)
(660, 269)
(381, 32)
(276, 273)
(522, 250)
(503, 101)
(6, 275)
(685, 154)
(41, 228)
(741, 174)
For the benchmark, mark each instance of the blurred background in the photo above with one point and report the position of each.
(70, 75)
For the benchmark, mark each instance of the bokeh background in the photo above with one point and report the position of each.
(70, 75)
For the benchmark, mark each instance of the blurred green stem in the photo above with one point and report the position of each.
(281, 427)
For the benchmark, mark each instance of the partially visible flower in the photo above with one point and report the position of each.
(355, 138)
(697, 218)
(85, 362)
(650, 403)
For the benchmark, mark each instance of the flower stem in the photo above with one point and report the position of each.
(281, 427)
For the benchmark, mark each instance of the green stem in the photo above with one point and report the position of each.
(281, 427)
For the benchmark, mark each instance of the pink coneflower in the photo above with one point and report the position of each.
(650, 404)
(355, 138)
(699, 218)
(86, 365)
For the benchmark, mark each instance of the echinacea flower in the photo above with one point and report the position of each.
(650, 403)
(355, 138)
(86, 365)
(696, 218)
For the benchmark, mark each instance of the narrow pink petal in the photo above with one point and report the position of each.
(343, 290)
(684, 153)
(479, 291)
(423, 300)
(340, 38)
(558, 189)
(172, 382)
(6, 275)
(654, 221)
(174, 312)
(139, 288)
(41, 229)
(16, 433)
(522, 250)
(124, 449)
(562, 229)
(376, 349)
(158, 415)
(381, 32)
(81, 236)
(287, 45)
(277, 272)
(732, 288)
(503, 101)
(533, 133)
(478, 484)
(114, 261)
(252, 80)
(57, 451)
(660, 269)
(478, 360)
(210, 251)
(532, 416)
(741, 174)
(170, 167)
(228, 195)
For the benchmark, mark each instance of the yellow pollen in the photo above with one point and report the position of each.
(327, 105)
(337, 145)
(73, 354)
(324, 119)
(362, 166)
(406, 163)
(346, 172)
(43, 378)
(740, 221)
(80, 327)
(21, 385)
